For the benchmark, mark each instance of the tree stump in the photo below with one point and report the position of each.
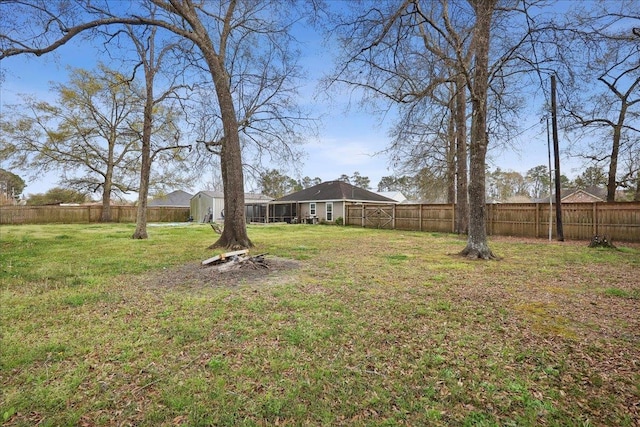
(601, 241)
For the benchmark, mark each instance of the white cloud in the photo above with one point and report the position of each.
(330, 157)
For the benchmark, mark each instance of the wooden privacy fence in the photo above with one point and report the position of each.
(85, 214)
(581, 221)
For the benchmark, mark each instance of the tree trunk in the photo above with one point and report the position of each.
(106, 192)
(234, 235)
(462, 195)
(615, 149)
(145, 167)
(141, 212)
(451, 157)
(477, 246)
(143, 191)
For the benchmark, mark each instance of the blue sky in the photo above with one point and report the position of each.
(349, 138)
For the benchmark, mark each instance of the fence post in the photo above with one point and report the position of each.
(393, 216)
(490, 218)
(487, 219)
(537, 220)
(453, 217)
(595, 218)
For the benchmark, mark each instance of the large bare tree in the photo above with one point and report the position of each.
(226, 36)
(477, 246)
(155, 114)
(601, 81)
(406, 52)
(89, 135)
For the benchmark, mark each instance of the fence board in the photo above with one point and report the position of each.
(620, 221)
(438, 218)
(514, 219)
(577, 220)
(85, 214)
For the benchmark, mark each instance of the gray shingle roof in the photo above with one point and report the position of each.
(334, 190)
(175, 198)
(253, 197)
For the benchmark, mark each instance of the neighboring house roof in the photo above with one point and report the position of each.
(518, 199)
(175, 198)
(248, 197)
(578, 195)
(256, 198)
(395, 195)
(334, 190)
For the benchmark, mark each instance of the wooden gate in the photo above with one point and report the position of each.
(379, 216)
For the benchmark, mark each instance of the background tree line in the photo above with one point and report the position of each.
(502, 186)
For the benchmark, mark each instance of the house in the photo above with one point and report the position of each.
(174, 199)
(323, 202)
(208, 206)
(577, 195)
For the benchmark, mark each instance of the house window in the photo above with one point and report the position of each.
(312, 209)
(329, 211)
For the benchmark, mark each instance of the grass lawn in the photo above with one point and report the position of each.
(373, 327)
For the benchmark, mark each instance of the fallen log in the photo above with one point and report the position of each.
(237, 262)
(222, 257)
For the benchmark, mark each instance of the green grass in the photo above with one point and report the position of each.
(375, 327)
(621, 293)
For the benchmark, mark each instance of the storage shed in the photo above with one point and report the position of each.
(207, 206)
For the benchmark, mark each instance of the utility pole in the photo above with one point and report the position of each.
(554, 125)
(550, 180)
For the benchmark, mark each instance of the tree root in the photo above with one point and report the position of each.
(482, 252)
(601, 241)
(231, 245)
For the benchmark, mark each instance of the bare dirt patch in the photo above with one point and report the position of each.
(195, 275)
(579, 243)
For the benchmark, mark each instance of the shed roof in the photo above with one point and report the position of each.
(175, 198)
(252, 197)
(334, 190)
(395, 195)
